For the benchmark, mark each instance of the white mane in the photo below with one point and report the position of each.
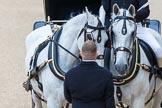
(74, 24)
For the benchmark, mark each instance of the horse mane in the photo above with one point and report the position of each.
(76, 20)
(71, 29)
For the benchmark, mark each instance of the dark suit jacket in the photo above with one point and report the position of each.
(89, 86)
(140, 15)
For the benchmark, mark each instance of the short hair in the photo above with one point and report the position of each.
(89, 48)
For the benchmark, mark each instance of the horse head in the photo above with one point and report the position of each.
(122, 35)
(94, 30)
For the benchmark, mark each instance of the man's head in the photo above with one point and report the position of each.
(89, 51)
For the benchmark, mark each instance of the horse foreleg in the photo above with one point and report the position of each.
(54, 103)
(138, 103)
(37, 102)
(157, 99)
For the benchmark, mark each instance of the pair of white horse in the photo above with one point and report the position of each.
(135, 93)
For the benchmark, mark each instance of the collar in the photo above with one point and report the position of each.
(89, 60)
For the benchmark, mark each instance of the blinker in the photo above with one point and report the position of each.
(89, 36)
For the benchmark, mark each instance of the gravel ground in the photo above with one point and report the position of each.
(16, 21)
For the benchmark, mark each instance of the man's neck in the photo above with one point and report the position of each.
(89, 60)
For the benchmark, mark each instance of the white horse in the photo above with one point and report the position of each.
(133, 83)
(74, 33)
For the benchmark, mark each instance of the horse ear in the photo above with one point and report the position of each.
(131, 10)
(87, 13)
(115, 9)
(102, 14)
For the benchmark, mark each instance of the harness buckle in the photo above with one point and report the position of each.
(27, 85)
(56, 27)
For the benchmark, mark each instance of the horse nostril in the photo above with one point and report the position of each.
(125, 67)
(121, 68)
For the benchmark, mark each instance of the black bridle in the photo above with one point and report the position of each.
(124, 32)
(124, 17)
(89, 35)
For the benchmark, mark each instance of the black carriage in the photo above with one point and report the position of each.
(59, 11)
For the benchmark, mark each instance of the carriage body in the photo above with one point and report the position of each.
(59, 11)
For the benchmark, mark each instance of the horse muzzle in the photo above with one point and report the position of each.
(121, 69)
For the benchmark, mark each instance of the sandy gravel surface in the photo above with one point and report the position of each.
(16, 21)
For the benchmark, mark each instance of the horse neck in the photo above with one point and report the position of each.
(72, 28)
(68, 40)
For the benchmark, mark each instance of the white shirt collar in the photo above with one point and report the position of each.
(89, 60)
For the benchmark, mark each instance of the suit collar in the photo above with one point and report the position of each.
(88, 62)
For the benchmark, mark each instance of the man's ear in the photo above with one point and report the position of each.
(96, 54)
(81, 54)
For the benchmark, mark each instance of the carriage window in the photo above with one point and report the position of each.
(89, 36)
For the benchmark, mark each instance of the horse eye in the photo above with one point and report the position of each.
(89, 36)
